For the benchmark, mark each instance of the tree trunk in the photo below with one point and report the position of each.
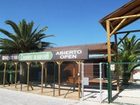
(126, 77)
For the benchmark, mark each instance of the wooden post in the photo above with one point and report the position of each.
(109, 61)
(21, 76)
(46, 75)
(15, 74)
(108, 40)
(74, 79)
(4, 73)
(59, 76)
(28, 75)
(42, 75)
(79, 78)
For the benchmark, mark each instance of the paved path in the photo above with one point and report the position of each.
(130, 96)
(10, 97)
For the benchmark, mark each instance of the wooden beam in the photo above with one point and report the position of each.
(59, 76)
(79, 78)
(74, 78)
(28, 75)
(42, 75)
(46, 74)
(21, 75)
(116, 28)
(108, 40)
(123, 17)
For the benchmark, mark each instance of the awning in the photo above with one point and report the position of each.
(131, 8)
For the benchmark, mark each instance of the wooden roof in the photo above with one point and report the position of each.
(131, 8)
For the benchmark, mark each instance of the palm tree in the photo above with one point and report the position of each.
(24, 39)
(129, 50)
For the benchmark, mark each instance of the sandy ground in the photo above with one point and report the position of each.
(66, 92)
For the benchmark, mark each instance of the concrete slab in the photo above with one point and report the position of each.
(130, 95)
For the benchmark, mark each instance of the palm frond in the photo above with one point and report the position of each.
(14, 27)
(24, 39)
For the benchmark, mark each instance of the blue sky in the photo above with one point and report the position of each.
(73, 22)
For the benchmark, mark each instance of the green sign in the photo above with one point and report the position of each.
(36, 56)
